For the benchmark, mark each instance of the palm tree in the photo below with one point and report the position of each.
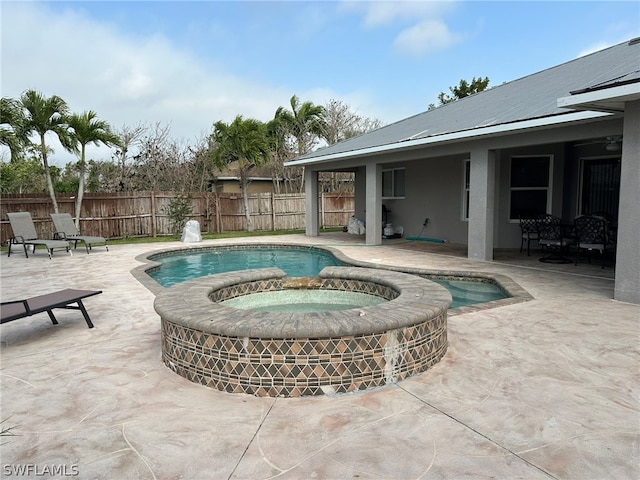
(243, 141)
(85, 129)
(14, 137)
(305, 122)
(43, 115)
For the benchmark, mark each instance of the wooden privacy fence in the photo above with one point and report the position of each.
(144, 214)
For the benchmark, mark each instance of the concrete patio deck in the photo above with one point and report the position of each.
(548, 388)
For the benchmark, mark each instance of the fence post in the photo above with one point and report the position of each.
(273, 211)
(218, 219)
(322, 207)
(153, 214)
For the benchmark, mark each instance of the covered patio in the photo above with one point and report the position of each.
(547, 388)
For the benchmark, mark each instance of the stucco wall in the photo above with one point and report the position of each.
(434, 191)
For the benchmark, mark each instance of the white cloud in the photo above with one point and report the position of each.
(426, 30)
(380, 13)
(125, 79)
(131, 79)
(425, 37)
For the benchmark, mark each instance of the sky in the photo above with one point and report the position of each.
(189, 64)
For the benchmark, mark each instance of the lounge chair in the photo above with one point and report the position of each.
(15, 310)
(24, 232)
(66, 229)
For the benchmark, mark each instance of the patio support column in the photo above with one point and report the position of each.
(373, 214)
(627, 282)
(481, 204)
(311, 218)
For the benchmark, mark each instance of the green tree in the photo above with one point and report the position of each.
(12, 127)
(243, 141)
(43, 115)
(178, 209)
(24, 175)
(85, 128)
(464, 89)
(305, 122)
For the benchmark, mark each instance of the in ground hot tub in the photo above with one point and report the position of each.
(299, 353)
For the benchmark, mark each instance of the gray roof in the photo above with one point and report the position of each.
(532, 97)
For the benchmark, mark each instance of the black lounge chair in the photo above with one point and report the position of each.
(10, 311)
(66, 230)
(24, 232)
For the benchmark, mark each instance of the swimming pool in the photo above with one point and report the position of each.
(300, 353)
(176, 267)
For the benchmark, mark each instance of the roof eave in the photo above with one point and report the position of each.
(604, 100)
(455, 136)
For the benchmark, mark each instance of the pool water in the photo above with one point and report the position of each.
(295, 262)
(303, 301)
(465, 293)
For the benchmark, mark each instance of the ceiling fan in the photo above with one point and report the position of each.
(612, 143)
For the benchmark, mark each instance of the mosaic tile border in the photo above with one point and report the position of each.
(302, 367)
(270, 354)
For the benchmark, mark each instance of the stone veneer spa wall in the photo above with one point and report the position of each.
(300, 354)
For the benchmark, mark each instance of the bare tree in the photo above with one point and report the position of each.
(341, 123)
(129, 138)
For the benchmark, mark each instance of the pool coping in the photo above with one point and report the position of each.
(189, 304)
(516, 293)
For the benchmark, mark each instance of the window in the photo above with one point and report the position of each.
(530, 186)
(466, 181)
(393, 183)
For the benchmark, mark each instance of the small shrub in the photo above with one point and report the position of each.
(178, 209)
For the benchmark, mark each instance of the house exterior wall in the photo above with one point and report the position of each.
(627, 286)
(434, 184)
(360, 194)
(433, 190)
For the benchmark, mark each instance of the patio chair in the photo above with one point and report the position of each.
(17, 309)
(554, 238)
(528, 231)
(592, 233)
(66, 229)
(24, 232)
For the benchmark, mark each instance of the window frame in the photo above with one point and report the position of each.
(393, 183)
(466, 189)
(548, 188)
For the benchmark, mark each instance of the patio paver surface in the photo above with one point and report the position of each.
(548, 388)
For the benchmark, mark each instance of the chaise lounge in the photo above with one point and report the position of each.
(67, 230)
(15, 310)
(24, 232)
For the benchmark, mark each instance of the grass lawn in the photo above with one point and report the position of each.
(205, 236)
